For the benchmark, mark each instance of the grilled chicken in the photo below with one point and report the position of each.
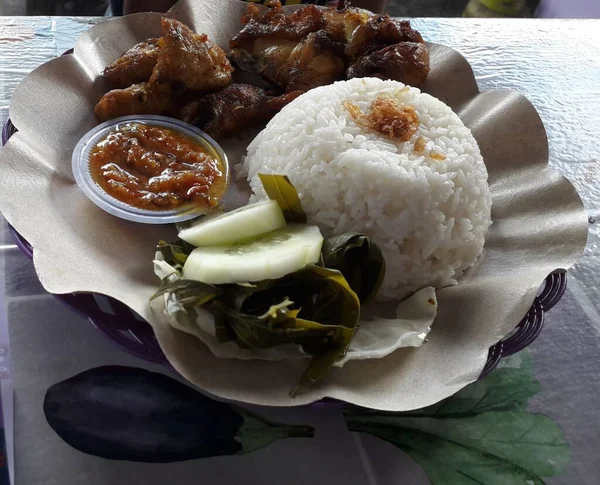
(276, 25)
(189, 61)
(138, 99)
(266, 43)
(135, 66)
(316, 61)
(231, 110)
(182, 62)
(378, 31)
(406, 61)
(313, 47)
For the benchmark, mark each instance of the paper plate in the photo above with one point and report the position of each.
(539, 225)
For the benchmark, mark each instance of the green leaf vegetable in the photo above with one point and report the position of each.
(175, 253)
(481, 435)
(182, 296)
(316, 308)
(337, 305)
(279, 188)
(359, 260)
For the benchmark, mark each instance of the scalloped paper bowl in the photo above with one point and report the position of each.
(539, 225)
(126, 330)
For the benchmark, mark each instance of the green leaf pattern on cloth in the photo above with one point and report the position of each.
(482, 435)
(449, 463)
(508, 387)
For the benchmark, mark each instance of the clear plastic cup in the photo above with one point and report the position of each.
(83, 176)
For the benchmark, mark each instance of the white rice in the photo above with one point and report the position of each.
(428, 216)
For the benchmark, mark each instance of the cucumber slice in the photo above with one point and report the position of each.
(243, 223)
(269, 256)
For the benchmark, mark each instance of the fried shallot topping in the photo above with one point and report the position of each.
(420, 144)
(387, 116)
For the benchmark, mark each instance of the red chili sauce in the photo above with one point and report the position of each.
(156, 168)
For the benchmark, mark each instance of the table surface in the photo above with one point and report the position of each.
(554, 63)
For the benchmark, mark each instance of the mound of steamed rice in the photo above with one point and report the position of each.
(426, 201)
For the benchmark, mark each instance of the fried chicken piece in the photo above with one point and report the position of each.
(184, 62)
(266, 58)
(407, 62)
(253, 12)
(231, 110)
(313, 47)
(189, 61)
(139, 99)
(135, 66)
(275, 24)
(364, 31)
(292, 52)
(375, 33)
(263, 46)
(340, 24)
(316, 61)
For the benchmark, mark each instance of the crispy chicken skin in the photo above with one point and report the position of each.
(275, 24)
(316, 61)
(135, 66)
(238, 106)
(377, 32)
(267, 41)
(405, 61)
(138, 99)
(313, 47)
(188, 60)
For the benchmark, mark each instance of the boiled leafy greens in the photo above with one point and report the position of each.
(316, 308)
(359, 260)
(177, 252)
(280, 189)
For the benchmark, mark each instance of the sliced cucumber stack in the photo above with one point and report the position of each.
(269, 256)
(240, 224)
